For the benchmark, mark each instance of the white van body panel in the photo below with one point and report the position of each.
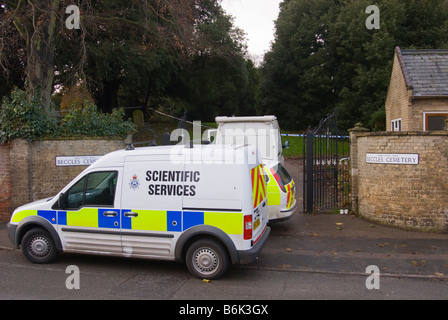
(148, 202)
(260, 131)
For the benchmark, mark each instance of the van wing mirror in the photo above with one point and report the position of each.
(211, 135)
(62, 201)
(286, 145)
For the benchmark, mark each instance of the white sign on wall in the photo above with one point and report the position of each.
(76, 161)
(402, 159)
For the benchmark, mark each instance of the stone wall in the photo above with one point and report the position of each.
(398, 101)
(413, 196)
(28, 170)
(5, 182)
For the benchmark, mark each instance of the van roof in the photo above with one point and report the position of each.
(268, 118)
(117, 158)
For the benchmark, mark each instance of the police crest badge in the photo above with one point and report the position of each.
(135, 183)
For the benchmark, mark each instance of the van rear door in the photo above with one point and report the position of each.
(259, 194)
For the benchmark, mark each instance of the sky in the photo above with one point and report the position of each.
(256, 18)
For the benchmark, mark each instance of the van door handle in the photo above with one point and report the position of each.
(131, 214)
(110, 214)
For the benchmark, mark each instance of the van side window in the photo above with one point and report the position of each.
(95, 189)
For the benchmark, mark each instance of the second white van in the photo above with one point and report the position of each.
(264, 133)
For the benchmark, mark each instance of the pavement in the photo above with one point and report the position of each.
(348, 244)
(343, 244)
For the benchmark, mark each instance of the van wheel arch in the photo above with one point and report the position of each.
(38, 246)
(197, 233)
(33, 222)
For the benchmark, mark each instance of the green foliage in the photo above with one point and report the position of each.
(88, 121)
(22, 119)
(218, 80)
(165, 55)
(170, 55)
(325, 58)
(28, 120)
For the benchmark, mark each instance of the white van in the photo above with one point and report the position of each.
(263, 132)
(205, 206)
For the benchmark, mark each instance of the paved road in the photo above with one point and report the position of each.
(321, 256)
(311, 257)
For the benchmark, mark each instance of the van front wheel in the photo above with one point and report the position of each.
(207, 259)
(38, 246)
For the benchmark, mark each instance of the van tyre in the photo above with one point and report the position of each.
(38, 246)
(207, 259)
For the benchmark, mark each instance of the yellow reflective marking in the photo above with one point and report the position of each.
(258, 185)
(86, 217)
(153, 220)
(23, 214)
(273, 190)
(291, 195)
(229, 222)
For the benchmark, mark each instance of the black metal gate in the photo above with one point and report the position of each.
(326, 165)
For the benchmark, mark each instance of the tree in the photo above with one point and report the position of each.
(156, 42)
(120, 44)
(362, 58)
(129, 49)
(325, 58)
(216, 80)
(297, 82)
(35, 21)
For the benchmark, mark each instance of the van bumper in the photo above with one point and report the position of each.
(251, 255)
(285, 214)
(11, 228)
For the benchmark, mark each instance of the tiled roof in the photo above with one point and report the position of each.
(425, 71)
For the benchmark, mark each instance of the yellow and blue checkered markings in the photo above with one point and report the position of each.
(178, 221)
(49, 215)
(147, 220)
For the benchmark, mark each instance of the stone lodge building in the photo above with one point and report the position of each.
(417, 99)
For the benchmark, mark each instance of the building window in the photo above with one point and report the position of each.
(396, 125)
(435, 121)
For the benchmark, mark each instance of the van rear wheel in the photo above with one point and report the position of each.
(207, 259)
(38, 246)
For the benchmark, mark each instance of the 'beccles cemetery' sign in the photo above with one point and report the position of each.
(402, 159)
(76, 161)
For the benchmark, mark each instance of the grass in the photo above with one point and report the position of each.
(295, 149)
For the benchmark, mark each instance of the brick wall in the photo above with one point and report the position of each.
(5, 183)
(28, 170)
(409, 196)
